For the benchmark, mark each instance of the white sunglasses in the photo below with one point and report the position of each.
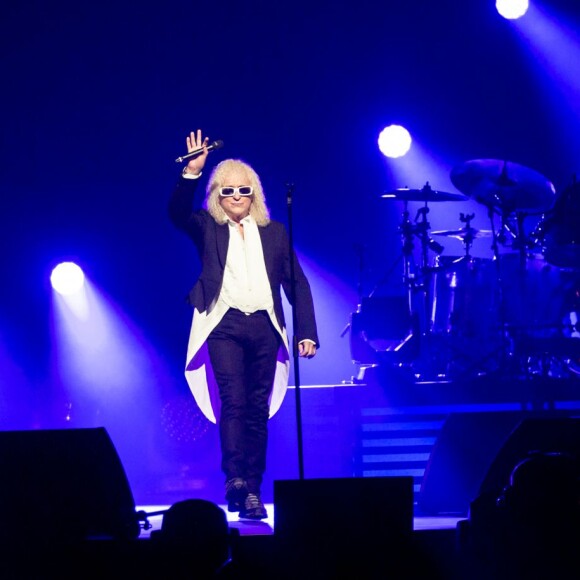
(243, 190)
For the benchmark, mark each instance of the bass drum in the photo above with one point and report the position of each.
(536, 297)
(560, 230)
(381, 324)
(541, 314)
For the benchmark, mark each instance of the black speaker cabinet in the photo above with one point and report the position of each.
(343, 507)
(542, 434)
(476, 453)
(333, 527)
(63, 484)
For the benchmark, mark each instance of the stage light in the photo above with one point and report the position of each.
(67, 278)
(512, 9)
(394, 141)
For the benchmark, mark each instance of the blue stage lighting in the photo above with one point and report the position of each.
(394, 141)
(512, 9)
(67, 278)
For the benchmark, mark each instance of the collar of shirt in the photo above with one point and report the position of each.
(247, 220)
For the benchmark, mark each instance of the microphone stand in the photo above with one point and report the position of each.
(289, 192)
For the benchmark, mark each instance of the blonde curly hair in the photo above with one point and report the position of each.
(258, 209)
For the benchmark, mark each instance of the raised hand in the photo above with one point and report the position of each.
(195, 141)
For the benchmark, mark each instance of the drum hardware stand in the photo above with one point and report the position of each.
(410, 281)
(360, 250)
(495, 236)
(427, 243)
(407, 230)
(420, 310)
(507, 232)
(505, 350)
(469, 235)
(417, 279)
(386, 276)
(420, 229)
(522, 244)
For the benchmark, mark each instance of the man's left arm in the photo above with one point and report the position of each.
(306, 330)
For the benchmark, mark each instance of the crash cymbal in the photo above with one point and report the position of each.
(423, 194)
(464, 233)
(504, 185)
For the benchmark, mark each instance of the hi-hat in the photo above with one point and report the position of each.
(424, 194)
(464, 233)
(504, 185)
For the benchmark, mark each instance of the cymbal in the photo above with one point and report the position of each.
(464, 233)
(423, 194)
(505, 185)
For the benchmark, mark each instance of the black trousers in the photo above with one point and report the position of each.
(243, 350)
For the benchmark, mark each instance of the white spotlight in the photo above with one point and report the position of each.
(394, 141)
(67, 278)
(512, 9)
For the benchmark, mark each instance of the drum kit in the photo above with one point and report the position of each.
(516, 312)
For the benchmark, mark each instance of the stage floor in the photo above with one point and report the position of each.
(266, 527)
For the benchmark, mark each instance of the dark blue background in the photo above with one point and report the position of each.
(97, 99)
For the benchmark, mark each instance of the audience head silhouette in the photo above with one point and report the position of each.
(195, 533)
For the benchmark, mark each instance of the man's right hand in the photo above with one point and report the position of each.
(195, 141)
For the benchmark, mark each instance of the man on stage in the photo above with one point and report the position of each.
(238, 354)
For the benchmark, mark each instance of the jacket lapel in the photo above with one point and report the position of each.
(267, 248)
(222, 241)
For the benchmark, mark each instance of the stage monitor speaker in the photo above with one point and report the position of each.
(63, 485)
(476, 452)
(331, 513)
(344, 527)
(537, 434)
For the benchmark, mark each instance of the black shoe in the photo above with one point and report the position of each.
(253, 508)
(236, 493)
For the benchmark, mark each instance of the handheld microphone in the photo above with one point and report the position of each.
(211, 147)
